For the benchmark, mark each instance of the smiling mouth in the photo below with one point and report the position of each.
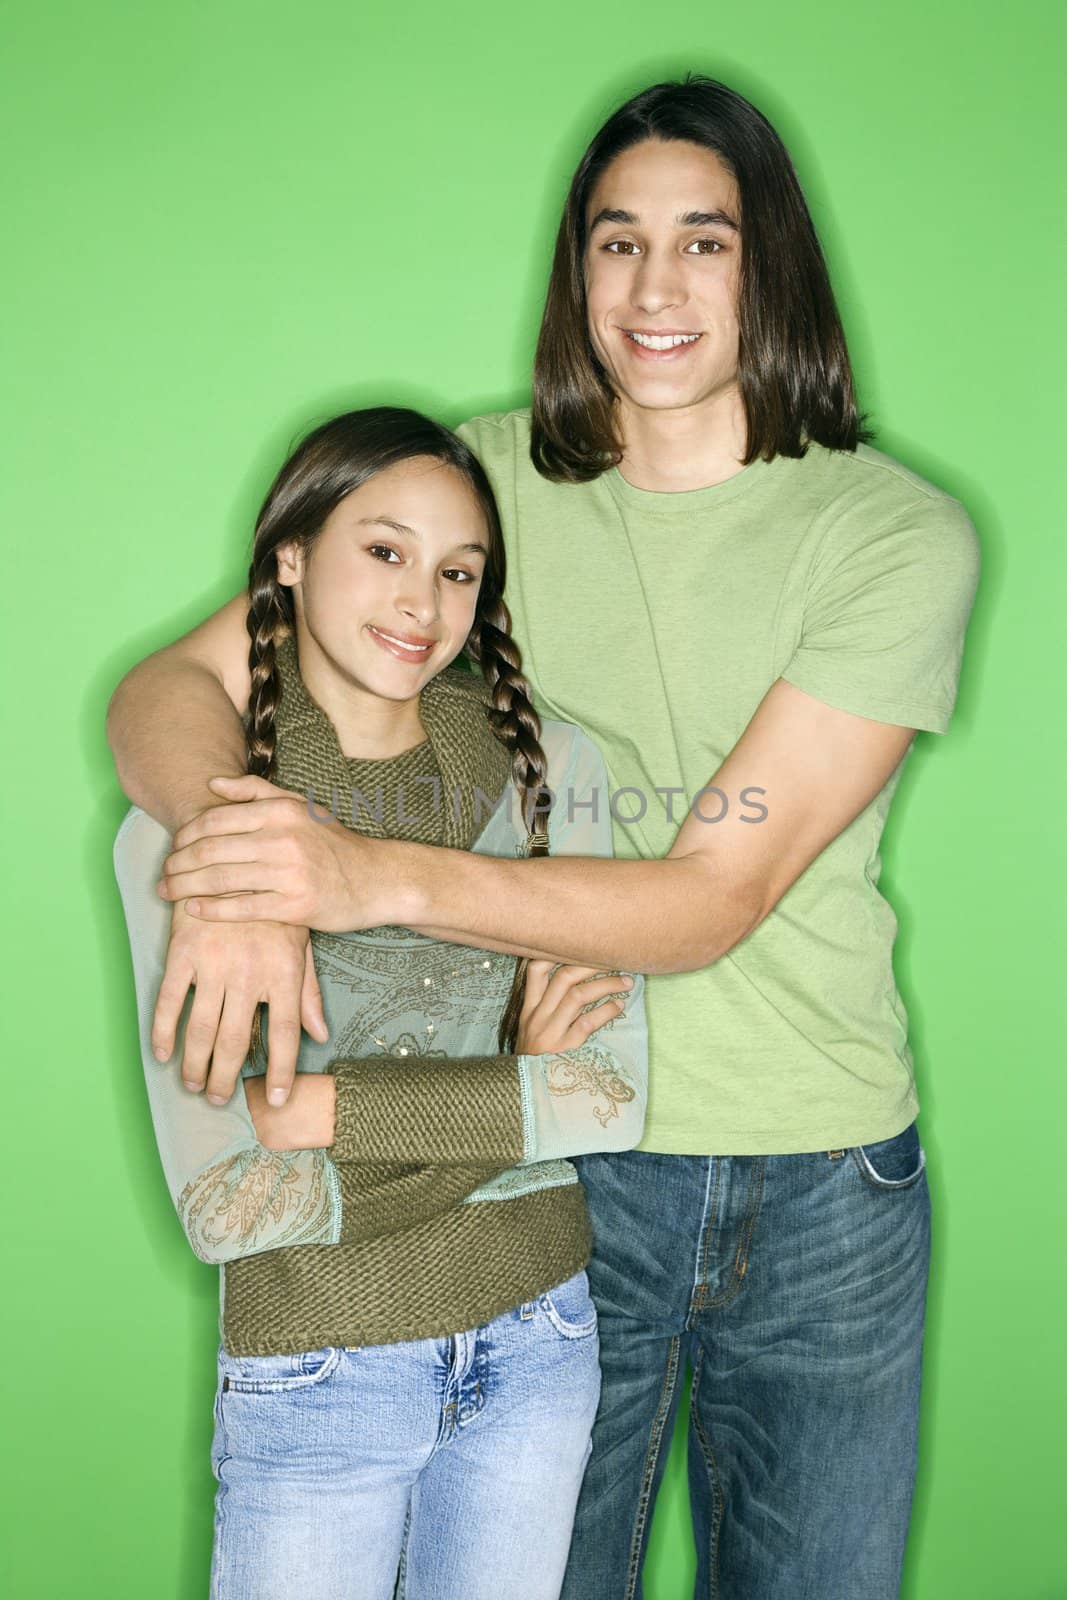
(661, 341)
(405, 648)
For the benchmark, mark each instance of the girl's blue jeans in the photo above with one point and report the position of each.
(795, 1285)
(441, 1469)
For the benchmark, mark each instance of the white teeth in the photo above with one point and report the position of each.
(662, 341)
(416, 649)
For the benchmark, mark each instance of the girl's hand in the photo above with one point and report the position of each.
(554, 1015)
(231, 970)
(305, 1122)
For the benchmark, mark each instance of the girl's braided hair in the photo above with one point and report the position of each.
(331, 462)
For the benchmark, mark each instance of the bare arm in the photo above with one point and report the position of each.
(812, 767)
(815, 768)
(174, 720)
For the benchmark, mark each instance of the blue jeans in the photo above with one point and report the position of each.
(455, 1462)
(796, 1285)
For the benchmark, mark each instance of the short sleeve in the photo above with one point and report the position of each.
(886, 613)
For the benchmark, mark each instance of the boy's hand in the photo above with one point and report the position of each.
(264, 857)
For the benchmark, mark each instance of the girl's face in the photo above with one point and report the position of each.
(386, 597)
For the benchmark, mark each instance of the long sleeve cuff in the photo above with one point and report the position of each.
(454, 1111)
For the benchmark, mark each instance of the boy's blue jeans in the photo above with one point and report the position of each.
(456, 1460)
(796, 1285)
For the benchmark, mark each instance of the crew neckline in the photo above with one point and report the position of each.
(382, 762)
(665, 502)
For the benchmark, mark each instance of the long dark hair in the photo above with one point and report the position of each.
(794, 372)
(327, 465)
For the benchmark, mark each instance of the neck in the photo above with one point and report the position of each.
(368, 727)
(691, 447)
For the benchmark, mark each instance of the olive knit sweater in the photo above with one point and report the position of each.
(445, 1197)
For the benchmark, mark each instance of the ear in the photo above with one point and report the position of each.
(290, 559)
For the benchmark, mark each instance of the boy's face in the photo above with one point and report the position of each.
(662, 260)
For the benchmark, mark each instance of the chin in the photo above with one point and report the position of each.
(664, 396)
(399, 696)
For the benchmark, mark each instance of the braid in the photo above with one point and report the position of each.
(268, 607)
(267, 617)
(519, 727)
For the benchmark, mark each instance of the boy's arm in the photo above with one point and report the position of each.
(878, 656)
(174, 721)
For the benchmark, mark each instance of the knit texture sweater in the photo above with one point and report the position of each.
(446, 1197)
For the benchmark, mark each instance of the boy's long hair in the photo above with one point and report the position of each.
(793, 368)
(327, 465)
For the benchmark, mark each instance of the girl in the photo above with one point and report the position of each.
(408, 1368)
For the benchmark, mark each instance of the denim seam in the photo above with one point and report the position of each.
(655, 1439)
(402, 1569)
(744, 1242)
(220, 1501)
(446, 1425)
(566, 1329)
(295, 1383)
(711, 1206)
(714, 1479)
(886, 1185)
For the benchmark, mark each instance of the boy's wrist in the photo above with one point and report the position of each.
(405, 892)
(395, 882)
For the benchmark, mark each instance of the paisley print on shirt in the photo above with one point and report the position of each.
(254, 1190)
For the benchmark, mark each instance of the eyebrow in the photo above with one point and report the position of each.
(402, 527)
(687, 219)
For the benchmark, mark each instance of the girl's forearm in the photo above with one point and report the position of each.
(304, 1122)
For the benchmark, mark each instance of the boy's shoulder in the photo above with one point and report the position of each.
(498, 437)
(515, 423)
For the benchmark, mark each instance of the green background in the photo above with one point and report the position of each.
(226, 221)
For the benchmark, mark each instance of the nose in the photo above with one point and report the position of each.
(418, 597)
(657, 284)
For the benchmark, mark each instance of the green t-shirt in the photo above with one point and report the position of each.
(658, 622)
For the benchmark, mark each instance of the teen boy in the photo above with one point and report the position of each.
(751, 612)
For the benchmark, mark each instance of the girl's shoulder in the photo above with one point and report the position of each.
(572, 756)
(579, 819)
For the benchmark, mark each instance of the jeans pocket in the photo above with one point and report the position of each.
(570, 1309)
(892, 1164)
(276, 1374)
